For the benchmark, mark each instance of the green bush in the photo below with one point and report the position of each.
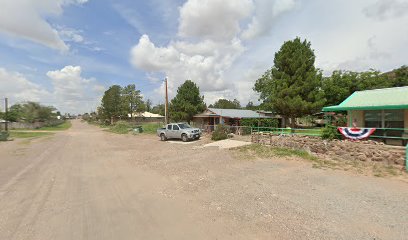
(220, 133)
(330, 133)
(121, 127)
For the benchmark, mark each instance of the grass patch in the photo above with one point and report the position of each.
(268, 152)
(63, 126)
(120, 127)
(123, 127)
(151, 128)
(29, 134)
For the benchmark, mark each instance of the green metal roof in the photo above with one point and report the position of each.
(377, 99)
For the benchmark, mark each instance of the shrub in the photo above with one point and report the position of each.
(330, 133)
(120, 127)
(220, 133)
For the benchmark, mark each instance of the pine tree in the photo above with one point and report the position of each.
(187, 102)
(292, 88)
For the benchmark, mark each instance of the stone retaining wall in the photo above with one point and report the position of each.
(340, 149)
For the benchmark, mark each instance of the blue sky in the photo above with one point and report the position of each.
(66, 53)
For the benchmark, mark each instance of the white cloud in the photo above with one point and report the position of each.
(148, 57)
(387, 9)
(208, 46)
(69, 92)
(27, 19)
(17, 87)
(264, 18)
(74, 93)
(214, 19)
(70, 35)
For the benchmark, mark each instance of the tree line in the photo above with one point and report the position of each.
(293, 87)
(30, 112)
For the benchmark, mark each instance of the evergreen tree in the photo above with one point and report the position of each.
(187, 102)
(132, 100)
(112, 106)
(226, 104)
(292, 88)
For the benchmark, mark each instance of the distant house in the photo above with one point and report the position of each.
(232, 117)
(385, 109)
(147, 117)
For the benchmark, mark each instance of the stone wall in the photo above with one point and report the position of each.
(337, 149)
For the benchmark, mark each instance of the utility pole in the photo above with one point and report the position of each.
(166, 106)
(6, 111)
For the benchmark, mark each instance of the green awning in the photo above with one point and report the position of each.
(377, 99)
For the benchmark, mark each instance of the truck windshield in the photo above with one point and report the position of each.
(184, 125)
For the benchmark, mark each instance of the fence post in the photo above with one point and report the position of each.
(406, 158)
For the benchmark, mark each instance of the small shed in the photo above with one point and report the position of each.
(385, 109)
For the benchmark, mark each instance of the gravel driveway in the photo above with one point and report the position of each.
(85, 183)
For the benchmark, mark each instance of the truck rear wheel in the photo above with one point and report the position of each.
(163, 137)
(184, 137)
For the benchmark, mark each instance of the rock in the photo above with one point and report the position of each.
(362, 157)
(377, 159)
(399, 161)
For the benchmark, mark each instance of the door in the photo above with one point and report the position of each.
(169, 131)
(176, 131)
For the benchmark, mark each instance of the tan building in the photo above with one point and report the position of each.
(384, 109)
(214, 116)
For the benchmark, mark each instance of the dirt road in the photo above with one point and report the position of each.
(85, 183)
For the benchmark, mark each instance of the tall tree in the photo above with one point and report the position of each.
(292, 88)
(148, 105)
(399, 76)
(187, 102)
(132, 100)
(250, 106)
(158, 109)
(112, 106)
(226, 104)
(339, 86)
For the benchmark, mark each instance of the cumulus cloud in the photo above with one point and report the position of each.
(387, 9)
(27, 19)
(18, 88)
(266, 12)
(74, 93)
(70, 35)
(69, 92)
(214, 19)
(147, 56)
(208, 45)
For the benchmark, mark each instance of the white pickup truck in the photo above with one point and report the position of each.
(181, 131)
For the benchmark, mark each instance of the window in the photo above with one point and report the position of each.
(169, 127)
(184, 125)
(385, 119)
(175, 127)
(373, 119)
(394, 118)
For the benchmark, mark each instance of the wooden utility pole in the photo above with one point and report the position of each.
(166, 105)
(6, 111)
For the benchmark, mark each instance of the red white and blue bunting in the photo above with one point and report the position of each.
(356, 133)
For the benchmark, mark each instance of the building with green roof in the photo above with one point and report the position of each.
(385, 109)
